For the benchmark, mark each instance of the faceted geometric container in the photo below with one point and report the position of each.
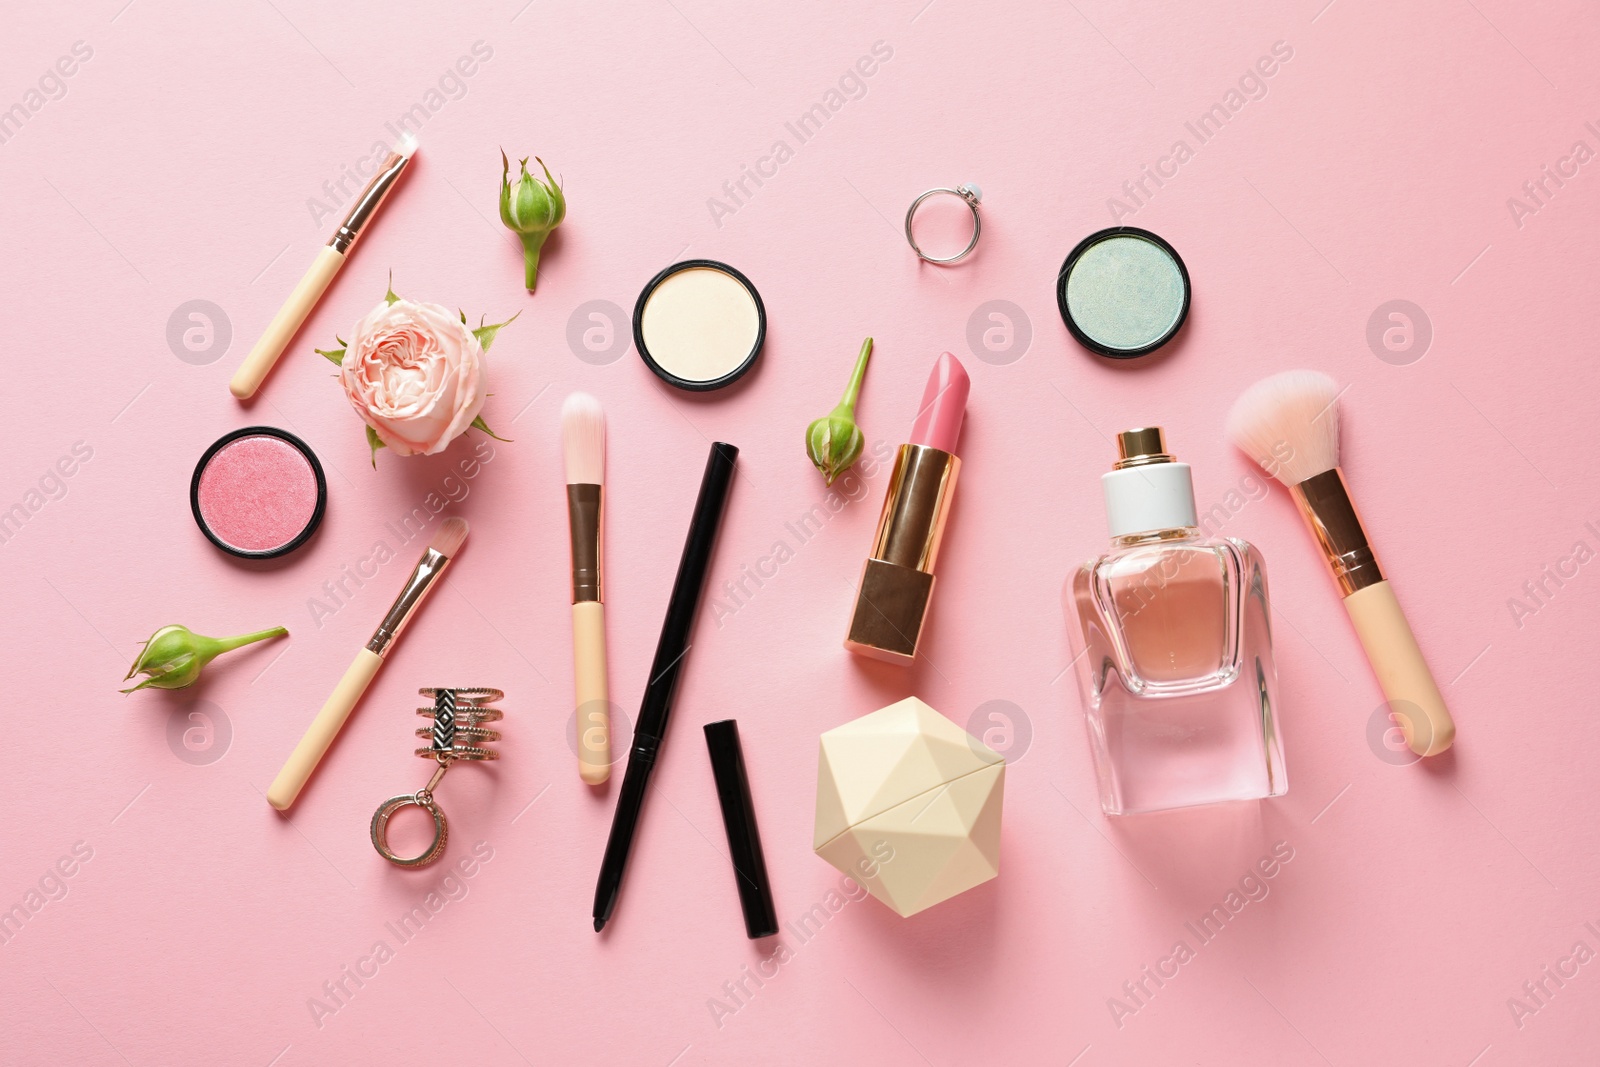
(908, 804)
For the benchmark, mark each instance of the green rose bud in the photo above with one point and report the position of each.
(834, 441)
(174, 656)
(532, 209)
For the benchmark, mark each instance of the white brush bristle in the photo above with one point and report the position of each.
(583, 439)
(1289, 423)
(450, 536)
(408, 145)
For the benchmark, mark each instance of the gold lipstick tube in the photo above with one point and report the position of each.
(897, 581)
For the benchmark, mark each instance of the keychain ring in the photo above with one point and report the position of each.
(970, 195)
(380, 828)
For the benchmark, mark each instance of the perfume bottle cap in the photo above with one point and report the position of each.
(1148, 490)
(1146, 444)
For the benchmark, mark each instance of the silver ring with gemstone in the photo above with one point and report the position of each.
(969, 194)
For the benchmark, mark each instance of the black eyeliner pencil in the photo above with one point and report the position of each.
(670, 652)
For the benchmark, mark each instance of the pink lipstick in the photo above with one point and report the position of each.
(944, 405)
(897, 581)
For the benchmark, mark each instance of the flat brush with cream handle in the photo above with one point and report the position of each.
(583, 439)
(325, 727)
(295, 310)
(1289, 423)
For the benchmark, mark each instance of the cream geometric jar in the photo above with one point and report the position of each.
(908, 804)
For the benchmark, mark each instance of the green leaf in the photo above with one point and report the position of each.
(479, 424)
(334, 354)
(390, 297)
(486, 334)
(374, 442)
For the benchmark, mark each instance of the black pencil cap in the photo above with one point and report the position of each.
(739, 820)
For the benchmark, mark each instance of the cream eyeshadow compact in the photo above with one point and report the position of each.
(699, 325)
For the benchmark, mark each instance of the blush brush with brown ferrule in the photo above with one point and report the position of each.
(1289, 423)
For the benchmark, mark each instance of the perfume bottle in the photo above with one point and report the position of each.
(1173, 647)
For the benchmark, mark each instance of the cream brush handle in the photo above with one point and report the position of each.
(1402, 672)
(323, 729)
(593, 707)
(286, 323)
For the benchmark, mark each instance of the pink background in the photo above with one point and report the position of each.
(178, 165)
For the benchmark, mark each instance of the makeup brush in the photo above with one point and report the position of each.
(583, 439)
(1289, 423)
(325, 727)
(297, 308)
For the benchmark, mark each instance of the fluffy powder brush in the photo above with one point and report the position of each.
(1289, 423)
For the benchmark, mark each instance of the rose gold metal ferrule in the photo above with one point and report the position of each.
(417, 587)
(585, 512)
(1324, 501)
(897, 581)
(367, 204)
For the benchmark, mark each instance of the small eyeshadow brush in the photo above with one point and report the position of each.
(325, 727)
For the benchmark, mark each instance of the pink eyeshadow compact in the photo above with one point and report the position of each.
(258, 493)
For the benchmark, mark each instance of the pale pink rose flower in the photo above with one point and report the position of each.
(414, 373)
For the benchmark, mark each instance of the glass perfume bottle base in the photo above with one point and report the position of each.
(1177, 673)
(1162, 753)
